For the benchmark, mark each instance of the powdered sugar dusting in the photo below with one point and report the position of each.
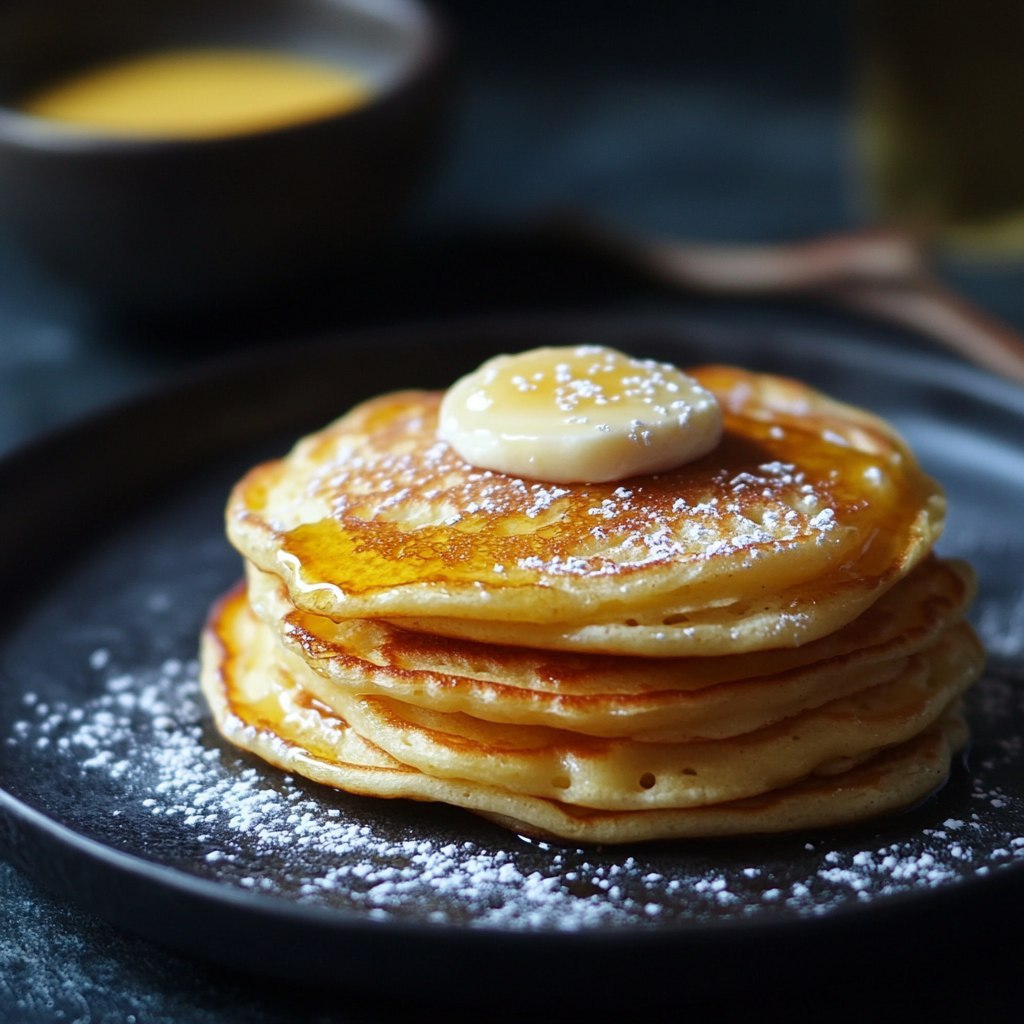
(143, 741)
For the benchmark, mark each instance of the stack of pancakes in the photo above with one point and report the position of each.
(757, 641)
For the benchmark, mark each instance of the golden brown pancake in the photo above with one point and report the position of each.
(758, 640)
(645, 698)
(801, 518)
(260, 707)
(624, 773)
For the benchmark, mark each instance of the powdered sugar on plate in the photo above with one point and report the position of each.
(142, 744)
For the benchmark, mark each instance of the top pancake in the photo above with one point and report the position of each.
(806, 512)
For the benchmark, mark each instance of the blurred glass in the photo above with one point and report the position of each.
(940, 119)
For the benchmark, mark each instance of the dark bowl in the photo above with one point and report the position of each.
(179, 224)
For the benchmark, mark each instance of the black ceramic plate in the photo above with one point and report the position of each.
(117, 793)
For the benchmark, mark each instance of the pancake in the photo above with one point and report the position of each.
(805, 513)
(261, 708)
(662, 699)
(758, 639)
(618, 774)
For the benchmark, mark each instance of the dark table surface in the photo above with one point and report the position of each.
(717, 122)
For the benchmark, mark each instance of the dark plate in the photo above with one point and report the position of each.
(117, 793)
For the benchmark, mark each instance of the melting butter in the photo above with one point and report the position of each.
(199, 93)
(579, 414)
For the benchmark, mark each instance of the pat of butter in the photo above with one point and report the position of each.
(579, 414)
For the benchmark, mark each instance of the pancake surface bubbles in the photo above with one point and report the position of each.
(758, 640)
(745, 548)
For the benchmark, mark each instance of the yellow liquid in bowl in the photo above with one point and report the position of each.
(199, 93)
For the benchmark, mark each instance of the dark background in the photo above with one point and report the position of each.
(722, 121)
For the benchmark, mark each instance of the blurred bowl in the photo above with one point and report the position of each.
(179, 223)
